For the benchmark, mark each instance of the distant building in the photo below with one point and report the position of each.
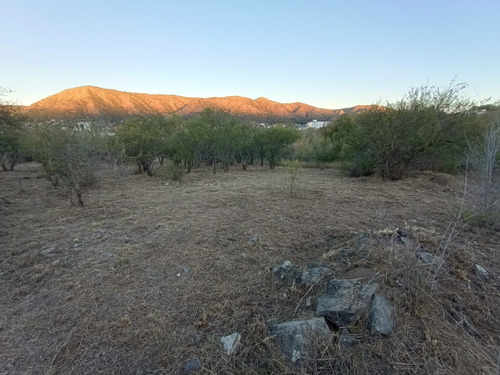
(83, 125)
(317, 124)
(301, 126)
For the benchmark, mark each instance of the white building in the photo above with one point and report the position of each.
(317, 124)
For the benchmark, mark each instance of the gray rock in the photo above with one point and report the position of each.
(381, 317)
(105, 255)
(403, 237)
(231, 342)
(191, 365)
(49, 251)
(481, 272)
(346, 340)
(363, 241)
(282, 270)
(298, 339)
(402, 233)
(186, 269)
(345, 301)
(430, 258)
(311, 276)
(253, 239)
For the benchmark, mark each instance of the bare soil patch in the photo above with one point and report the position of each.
(152, 272)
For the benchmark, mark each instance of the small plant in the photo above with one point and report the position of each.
(175, 172)
(293, 171)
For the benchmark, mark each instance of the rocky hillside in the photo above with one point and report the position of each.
(96, 101)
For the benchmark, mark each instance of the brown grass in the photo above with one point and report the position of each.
(138, 283)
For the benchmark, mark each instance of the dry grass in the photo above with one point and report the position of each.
(136, 283)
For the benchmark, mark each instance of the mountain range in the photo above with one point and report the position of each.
(91, 101)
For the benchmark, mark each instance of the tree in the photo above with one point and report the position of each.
(146, 140)
(70, 156)
(275, 142)
(10, 133)
(426, 129)
(484, 158)
(218, 136)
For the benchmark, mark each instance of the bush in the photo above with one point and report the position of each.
(11, 133)
(276, 142)
(293, 170)
(175, 172)
(427, 129)
(70, 157)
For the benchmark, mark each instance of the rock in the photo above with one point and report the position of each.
(381, 316)
(105, 255)
(53, 250)
(403, 237)
(360, 274)
(49, 251)
(481, 272)
(429, 258)
(231, 342)
(311, 276)
(346, 340)
(191, 365)
(186, 269)
(297, 339)
(363, 240)
(281, 271)
(402, 233)
(253, 240)
(345, 301)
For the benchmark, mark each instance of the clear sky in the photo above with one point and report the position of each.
(330, 54)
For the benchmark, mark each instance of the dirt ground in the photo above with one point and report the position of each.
(152, 272)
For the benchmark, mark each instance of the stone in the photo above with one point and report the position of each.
(346, 340)
(430, 258)
(297, 339)
(381, 316)
(311, 276)
(253, 240)
(105, 255)
(363, 241)
(402, 233)
(360, 274)
(49, 251)
(345, 302)
(231, 342)
(481, 272)
(191, 365)
(281, 271)
(186, 269)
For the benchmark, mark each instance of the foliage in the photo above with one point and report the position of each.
(146, 139)
(276, 142)
(293, 170)
(70, 156)
(11, 133)
(314, 147)
(484, 162)
(427, 129)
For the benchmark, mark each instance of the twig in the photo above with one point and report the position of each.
(6, 200)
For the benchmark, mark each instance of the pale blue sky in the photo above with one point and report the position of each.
(330, 54)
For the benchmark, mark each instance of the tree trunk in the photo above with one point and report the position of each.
(150, 169)
(79, 196)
